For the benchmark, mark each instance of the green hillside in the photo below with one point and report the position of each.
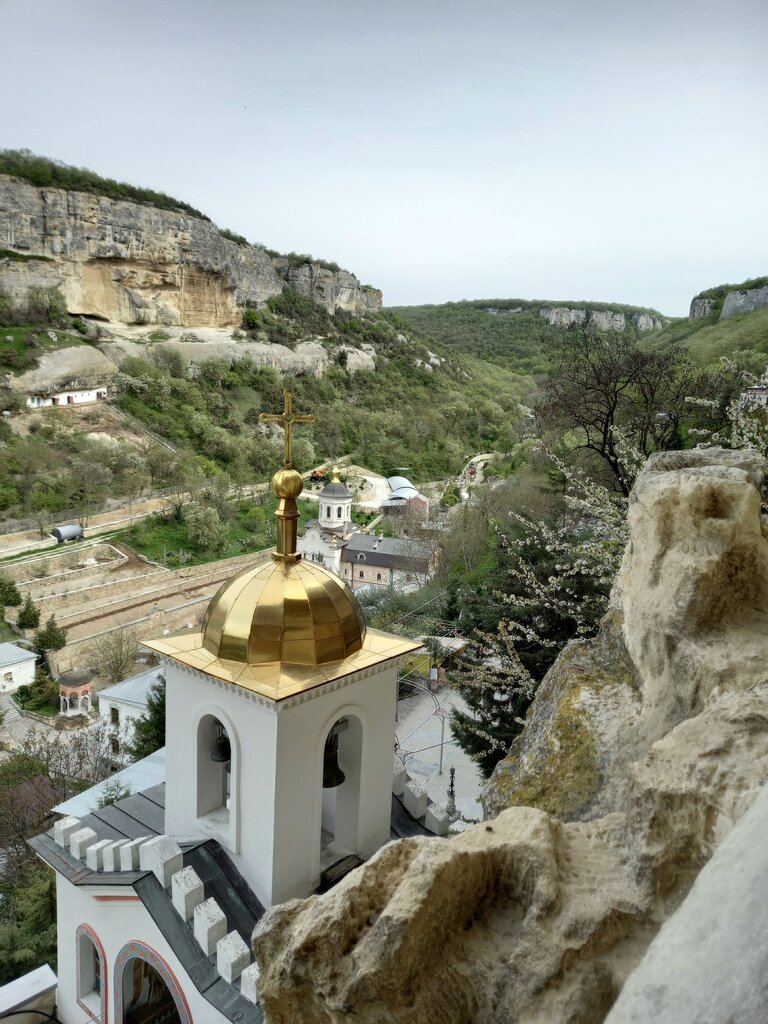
(519, 340)
(504, 336)
(708, 339)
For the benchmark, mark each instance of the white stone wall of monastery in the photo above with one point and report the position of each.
(14, 676)
(127, 715)
(117, 916)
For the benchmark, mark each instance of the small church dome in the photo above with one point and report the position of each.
(335, 489)
(296, 612)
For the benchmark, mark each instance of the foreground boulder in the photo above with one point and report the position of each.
(643, 749)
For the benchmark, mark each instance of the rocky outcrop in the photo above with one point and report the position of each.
(331, 289)
(601, 319)
(131, 263)
(643, 748)
(727, 978)
(88, 365)
(740, 302)
(701, 307)
(688, 620)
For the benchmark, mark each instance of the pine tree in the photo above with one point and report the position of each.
(51, 637)
(29, 616)
(149, 730)
(9, 593)
(497, 689)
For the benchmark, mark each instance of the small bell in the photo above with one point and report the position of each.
(222, 750)
(333, 776)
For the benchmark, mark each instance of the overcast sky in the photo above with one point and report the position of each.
(440, 149)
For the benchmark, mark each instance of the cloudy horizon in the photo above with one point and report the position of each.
(441, 151)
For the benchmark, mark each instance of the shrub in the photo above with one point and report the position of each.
(9, 593)
(252, 319)
(51, 637)
(46, 304)
(29, 615)
(232, 236)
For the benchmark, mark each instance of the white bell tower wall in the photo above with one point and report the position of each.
(364, 800)
(335, 512)
(272, 824)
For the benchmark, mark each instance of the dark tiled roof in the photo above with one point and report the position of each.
(403, 825)
(222, 881)
(389, 552)
(143, 815)
(335, 489)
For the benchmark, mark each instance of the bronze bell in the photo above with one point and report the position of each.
(333, 776)
(222, 750)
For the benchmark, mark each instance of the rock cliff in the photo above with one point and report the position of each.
(701, 307)
(603, 319)
(746, 301)
(131, 263)
(643, 748)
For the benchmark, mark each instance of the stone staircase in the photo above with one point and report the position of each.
(9, 711)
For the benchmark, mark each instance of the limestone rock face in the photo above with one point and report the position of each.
(693, 587)
(727, 979)
(737, 303)
(332, 289)
(643, 749)
(132, 263)
(603, 319)
(700, 308)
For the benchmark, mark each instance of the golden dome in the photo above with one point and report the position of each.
(297, 613)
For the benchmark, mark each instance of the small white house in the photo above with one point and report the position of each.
(17, 667)
(120, 705)
(79, 397)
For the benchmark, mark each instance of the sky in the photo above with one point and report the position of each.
(439, 149)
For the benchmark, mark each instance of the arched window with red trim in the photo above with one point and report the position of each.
(91, 974)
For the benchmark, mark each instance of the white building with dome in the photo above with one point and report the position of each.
(325, 537)
(279, 751)
(361, 559)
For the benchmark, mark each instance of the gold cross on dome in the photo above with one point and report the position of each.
(287, 418)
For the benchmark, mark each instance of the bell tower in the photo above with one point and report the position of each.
(280, 716)
(335, 505)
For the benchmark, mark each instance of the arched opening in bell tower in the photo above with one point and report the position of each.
(216, 778)
(341, 788)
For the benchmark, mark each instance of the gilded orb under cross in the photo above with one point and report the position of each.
(288, 418)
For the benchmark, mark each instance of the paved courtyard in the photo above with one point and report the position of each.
(418, 731)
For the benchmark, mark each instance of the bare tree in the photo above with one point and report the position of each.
(114, 653)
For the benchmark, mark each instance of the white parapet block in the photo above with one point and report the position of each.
(399, 779)
(186, 892)
(437, 819)
(210, 925)
(80, 841)
(232, 957)
(94, 855)
(415, 799)
(249, 983)
(64, 828)
(111, 857)
(161, 855)
(129, 853)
